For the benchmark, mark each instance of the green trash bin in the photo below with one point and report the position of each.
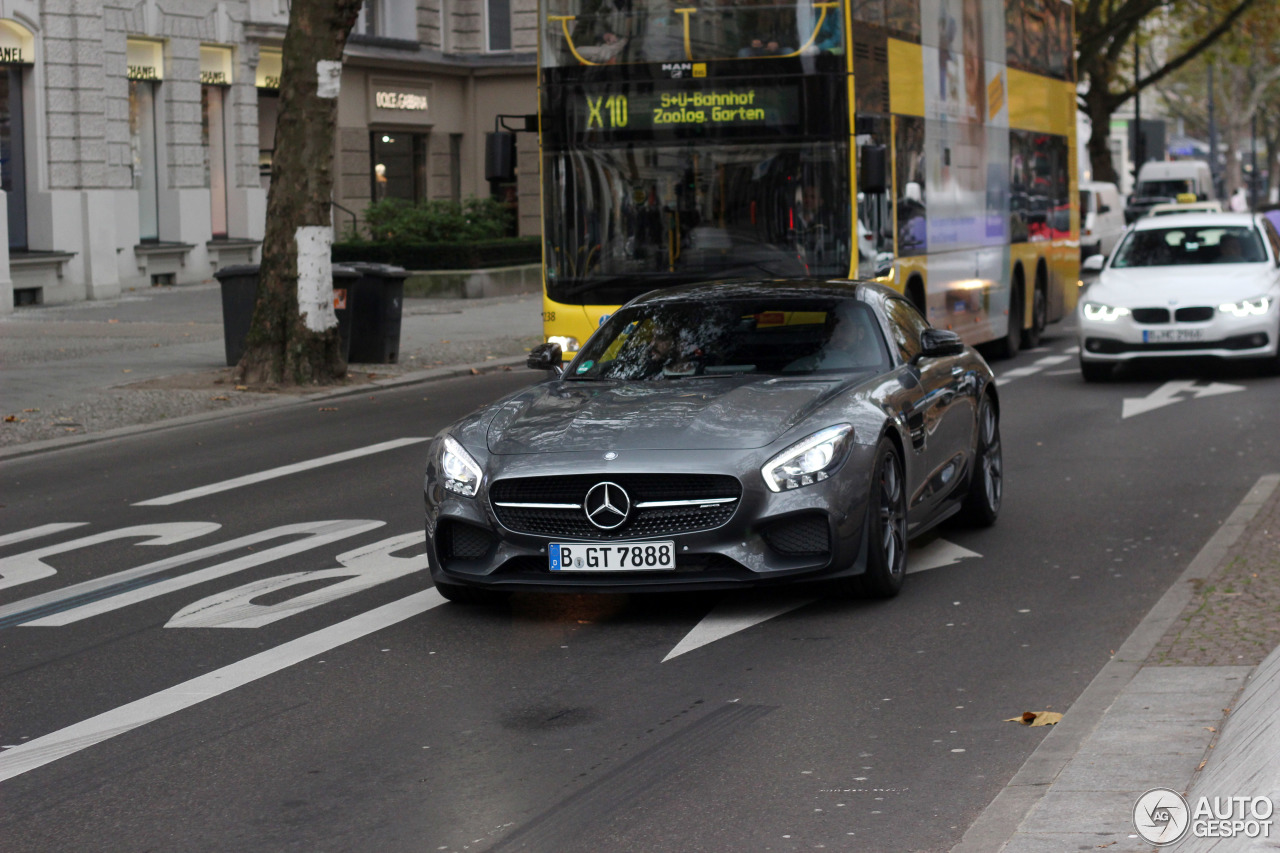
(239, 296)
(376, 300)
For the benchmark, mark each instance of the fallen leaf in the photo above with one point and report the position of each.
(508, 367)
(475, 372)
(1202, 764)
(1210, 729)
(328, 408)
(30, 410)
(444, 340)
(127, 370)
(113, 321)
(10, 418)
(220, 397)
(1036, 718)
(242, 387)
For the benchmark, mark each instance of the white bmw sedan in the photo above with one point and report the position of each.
(1189, 284)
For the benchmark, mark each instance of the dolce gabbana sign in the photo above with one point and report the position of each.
(399, 101)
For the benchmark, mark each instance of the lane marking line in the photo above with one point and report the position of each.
(37, 532)
(70, 740)
(730, 617)
(283, 471)
(1050, 360)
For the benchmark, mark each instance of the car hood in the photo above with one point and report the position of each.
(1197, 284)
(688, 414)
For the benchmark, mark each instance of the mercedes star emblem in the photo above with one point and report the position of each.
(607, 505)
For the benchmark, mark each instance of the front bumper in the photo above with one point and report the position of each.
(810, 533)
(1222, 336)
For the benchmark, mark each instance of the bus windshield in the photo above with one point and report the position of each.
(622, 221)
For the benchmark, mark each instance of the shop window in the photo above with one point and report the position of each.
(455, 166)
(268, 110)
(213, 142)
(142, 144)
(498, 24)
(399, 165)
(13, 179)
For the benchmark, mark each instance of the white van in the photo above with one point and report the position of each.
(1161, 182)
(1101, 218)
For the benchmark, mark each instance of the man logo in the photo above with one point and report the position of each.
(607, 505)
(1161, 817)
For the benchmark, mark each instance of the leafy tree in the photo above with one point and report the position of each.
(1246, 81)
(1104, 42)
(295, 341)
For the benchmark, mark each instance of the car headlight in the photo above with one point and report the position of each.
(809, 460)
(1106, 313)
(1256, 306)
(462, 474)
(567, 343)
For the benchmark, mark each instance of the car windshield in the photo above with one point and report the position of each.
(1169, 188)
(668, 340)
(1206, 244)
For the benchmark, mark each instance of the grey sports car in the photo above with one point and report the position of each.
(718, 436)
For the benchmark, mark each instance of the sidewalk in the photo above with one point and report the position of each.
(156, 354)
(1190, 702)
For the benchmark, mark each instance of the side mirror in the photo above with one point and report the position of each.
(546, 357)
(1093, 263)
(500, 156)
(938, 343)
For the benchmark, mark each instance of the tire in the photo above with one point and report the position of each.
(981, 506)
(460, 594)
(1039, 319)
(886, 528)
(1095, 371)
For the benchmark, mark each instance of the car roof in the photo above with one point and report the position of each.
(1168, 208)
(722, 289)
(1193, 220)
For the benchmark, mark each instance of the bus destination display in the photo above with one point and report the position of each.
(742, 106)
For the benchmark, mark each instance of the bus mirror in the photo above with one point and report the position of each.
(500, 156)
(873, 170)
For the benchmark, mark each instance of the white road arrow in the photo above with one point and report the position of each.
(730, 617)
(1167, 395)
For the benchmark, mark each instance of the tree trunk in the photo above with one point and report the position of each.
(1099, 108)
(293, 338)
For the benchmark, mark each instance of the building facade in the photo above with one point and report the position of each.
(136, 136)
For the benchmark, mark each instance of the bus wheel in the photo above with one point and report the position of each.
(1039, 318)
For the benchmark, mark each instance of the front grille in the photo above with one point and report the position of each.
(643, 522)
(1193, 315)
(1150, 316)
(458, 541)
(806, 534)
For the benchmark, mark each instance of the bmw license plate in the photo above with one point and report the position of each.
(1172, 336)
(613, 557)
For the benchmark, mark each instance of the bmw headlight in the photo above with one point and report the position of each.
(1257, 306)
(809, 460)
(460, 472)
(1106, 313)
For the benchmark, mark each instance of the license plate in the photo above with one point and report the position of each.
(619, 557)
(1171, 336)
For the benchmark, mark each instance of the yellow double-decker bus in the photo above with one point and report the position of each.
(926, 144)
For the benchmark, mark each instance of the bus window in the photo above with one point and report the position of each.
(912, 223)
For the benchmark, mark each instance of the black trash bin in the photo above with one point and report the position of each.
(239, 296)
(343, 279)
(377, 300)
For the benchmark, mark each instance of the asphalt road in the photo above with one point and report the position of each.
(304, 689)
